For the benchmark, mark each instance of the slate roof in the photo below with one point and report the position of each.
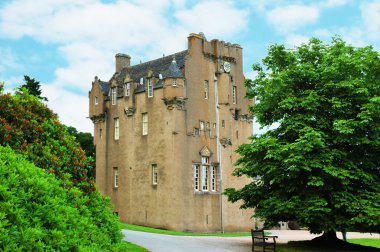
(163, 66)
(104, 86)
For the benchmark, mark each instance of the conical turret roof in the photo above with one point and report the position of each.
(173, 71)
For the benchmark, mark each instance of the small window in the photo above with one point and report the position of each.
(150, 87)
(208, 132)
(202, 125)
(236, 116)
(174, 82)
(223, 124)
(116, 177)
(154, 174)
(113, 95)
(205, 160)
(141, 81)
(213, 178)
(205, 89)
(96, 100)
(214, 125)
(116, 124)
(127, 89)
(100, 133)
(234, 98)
(196, 178)
(205, 177)
(196, 132)
(145, 124)
(160, 76)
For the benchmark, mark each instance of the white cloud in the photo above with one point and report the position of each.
(292, 17)
(214, 18)
(294, 40)
(8, 60)
(371, 16)
(88, 33)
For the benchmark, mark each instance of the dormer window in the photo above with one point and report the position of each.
(160, 76)
(150, 87)
(127, 89)
(113, 95)
(174, 82)
(141, 80)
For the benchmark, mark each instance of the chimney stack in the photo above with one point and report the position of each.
(122, 60)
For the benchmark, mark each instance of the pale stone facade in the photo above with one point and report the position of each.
(166, 132)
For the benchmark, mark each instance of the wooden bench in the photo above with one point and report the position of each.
(262, 242)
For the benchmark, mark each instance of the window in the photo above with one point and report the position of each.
(141, 81)
(145, 124)
(174, 82)
(213, 178)
(223, 124)
(154, 174)
(96, 100)
(150, 87)
(206, 89)
(127, 89)
(196, 131)
(214, 125)
(113, 95)
(208, 132)
(116, 124)
(196, 177)
(100, 133)
(115, 177)
(234, 94)
(204, 178)
(202, 125)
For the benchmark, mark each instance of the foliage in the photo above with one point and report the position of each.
(86, 141)
(321, 166)
(33, 87)
(41, 213)
(29, 127)
(177, 233)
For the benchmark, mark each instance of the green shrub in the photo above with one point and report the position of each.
(38, 212)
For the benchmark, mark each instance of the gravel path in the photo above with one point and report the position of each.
(170, 243)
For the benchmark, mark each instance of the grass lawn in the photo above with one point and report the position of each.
(169, 232)
(372, 242)
(135, 248)
(305, 246)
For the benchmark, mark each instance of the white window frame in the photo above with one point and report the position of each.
(201, 125)
(154, 174)
(205, 89)
(205, 178)
(150, 87)
(113, 95)
(234, 94)
(213, 178)
(115, 177)
(196, 177)
(117, 128)
(196, 132)
(174, 82)
(128, 89)
(144, 124)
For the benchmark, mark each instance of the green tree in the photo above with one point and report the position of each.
(321, 166)
(33, 87)
(30, 127)
(38, 212)
(86, 141)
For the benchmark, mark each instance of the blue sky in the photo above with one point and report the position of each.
(65, 43)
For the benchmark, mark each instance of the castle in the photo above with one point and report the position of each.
(166, 132)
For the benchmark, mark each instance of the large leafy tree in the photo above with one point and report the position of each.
(30, 127)
(33, 87)
(86, 141)
(321, 166)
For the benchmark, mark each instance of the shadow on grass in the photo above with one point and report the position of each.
(317, 245)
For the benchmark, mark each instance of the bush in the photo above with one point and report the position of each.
(38, 212)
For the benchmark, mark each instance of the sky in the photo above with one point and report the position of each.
(64, 44)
